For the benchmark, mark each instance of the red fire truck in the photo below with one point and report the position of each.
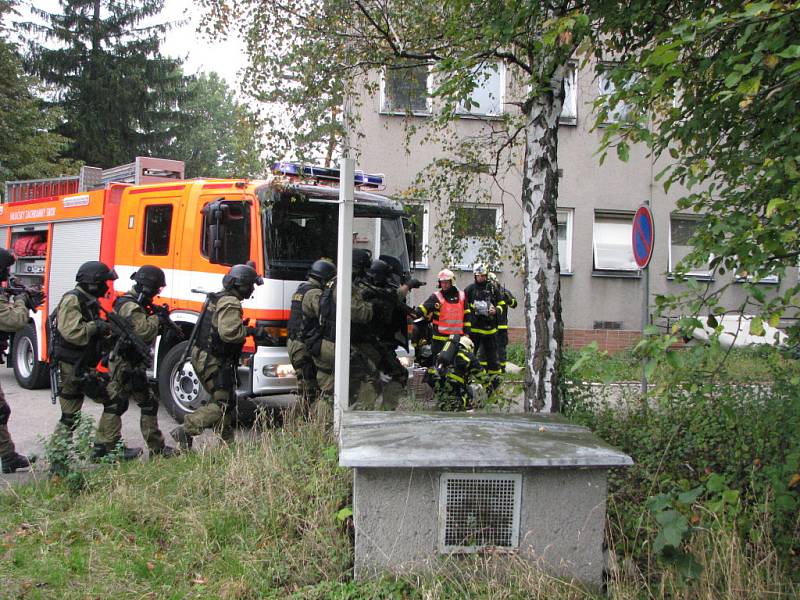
(146, 213)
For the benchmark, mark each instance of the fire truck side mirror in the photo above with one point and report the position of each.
(215, 218)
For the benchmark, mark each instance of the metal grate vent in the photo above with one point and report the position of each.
(479, 510)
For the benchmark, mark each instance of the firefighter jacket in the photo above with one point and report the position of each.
(506, 301)
(13, 313)
(480, 298)
(459, 366)
(443, 309)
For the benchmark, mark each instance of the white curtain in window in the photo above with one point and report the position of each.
(612, 244)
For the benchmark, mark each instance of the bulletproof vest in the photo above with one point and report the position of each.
(327, 314)
(208, 336)
(299, 327)
(64, 351)
(125, 348)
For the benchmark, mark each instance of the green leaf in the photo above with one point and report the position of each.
(623, 152)
(658, 503)
(689, 496)
(754, 9)
(344, 514)
(792, 51)
(730, 496)
(716, 483)
(773, 205)
(756, 326)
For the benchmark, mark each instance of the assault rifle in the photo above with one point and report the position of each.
(33, 295)
(162, 312)
(124, 333)
(196, 329)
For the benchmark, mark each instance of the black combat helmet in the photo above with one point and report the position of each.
(379, 272)
(362, 259)
(322, 270)
(6, 260)
(93, 277)
(150, 280)
(243, 279)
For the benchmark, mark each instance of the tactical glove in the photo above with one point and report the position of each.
(414, 283)
(103, 328)
(33, 299)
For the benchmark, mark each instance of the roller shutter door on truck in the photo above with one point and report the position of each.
(3, 237)
(73, 244)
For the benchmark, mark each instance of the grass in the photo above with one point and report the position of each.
(259, 520)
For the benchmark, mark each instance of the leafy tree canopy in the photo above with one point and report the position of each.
(103, 64)
(718, 94)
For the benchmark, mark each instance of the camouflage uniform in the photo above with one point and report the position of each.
(129, 376)
(299, 354)
(216, 369)
(13, 317)
(77, 314)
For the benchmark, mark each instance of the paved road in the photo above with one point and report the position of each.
(33, 417)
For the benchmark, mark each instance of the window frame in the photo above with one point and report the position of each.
(572, 67)
(143, 248)
(703, 275)
(461, 112)
(424, 262)
(619, 215)
(569, 213)
(416, 113)
(498, 222)
(613, 114)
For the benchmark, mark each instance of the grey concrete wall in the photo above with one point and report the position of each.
(585, 187)
(561, 522)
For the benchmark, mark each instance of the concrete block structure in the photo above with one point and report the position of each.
(430, 487)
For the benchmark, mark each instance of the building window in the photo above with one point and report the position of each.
(486, 100)
(157, 226)
(475, 231)
(418, 219)
(565, 240)
(569, 112)
(612, 247)
(405, 90)
(607, 88)
(681, 230)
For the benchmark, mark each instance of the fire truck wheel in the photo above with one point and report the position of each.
(179, 388)
(30, 372)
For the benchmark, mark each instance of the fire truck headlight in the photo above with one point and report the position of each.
(278, 371)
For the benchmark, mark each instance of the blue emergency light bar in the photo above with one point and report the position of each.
(327, 174)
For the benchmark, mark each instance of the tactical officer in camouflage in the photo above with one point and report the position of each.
(127, 368)
(13, 317)
(77, 347)
(301, 329)
(215, 356)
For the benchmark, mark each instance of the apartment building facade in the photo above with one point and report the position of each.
(602, 288)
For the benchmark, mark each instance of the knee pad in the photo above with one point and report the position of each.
(68, 420)
(5, 412)
(149, 407)
(116, 408)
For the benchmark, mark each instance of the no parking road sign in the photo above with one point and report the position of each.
(643, 236)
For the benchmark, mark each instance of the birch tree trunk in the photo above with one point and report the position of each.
(540, 238)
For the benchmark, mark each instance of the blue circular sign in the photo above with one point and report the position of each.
(643, 236)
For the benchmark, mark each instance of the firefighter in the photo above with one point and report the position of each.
(301, 325)
(215, 355)
(448, 312)
(458, 373)
(13, 317)
(78, 343)
(506, 302)
(128, 370)
(483, 300)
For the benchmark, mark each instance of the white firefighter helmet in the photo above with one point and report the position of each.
(446, 275)
(466, 343)
(492, 277)
(480, 269)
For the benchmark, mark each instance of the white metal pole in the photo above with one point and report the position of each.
(344, 270)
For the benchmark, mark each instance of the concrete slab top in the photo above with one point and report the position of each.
(405, 440)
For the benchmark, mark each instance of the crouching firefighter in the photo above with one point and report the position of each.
(459, 371)
(13, 317)
(127, 366)
(78, 337)
(303, 323)
(215, 355)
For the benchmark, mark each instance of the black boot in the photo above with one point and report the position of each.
(184, 439)
(101, 450)
(12, 462)
(165, 451)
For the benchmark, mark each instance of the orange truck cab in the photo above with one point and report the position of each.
(194, 230)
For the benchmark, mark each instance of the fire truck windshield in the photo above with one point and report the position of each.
(301, 226)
